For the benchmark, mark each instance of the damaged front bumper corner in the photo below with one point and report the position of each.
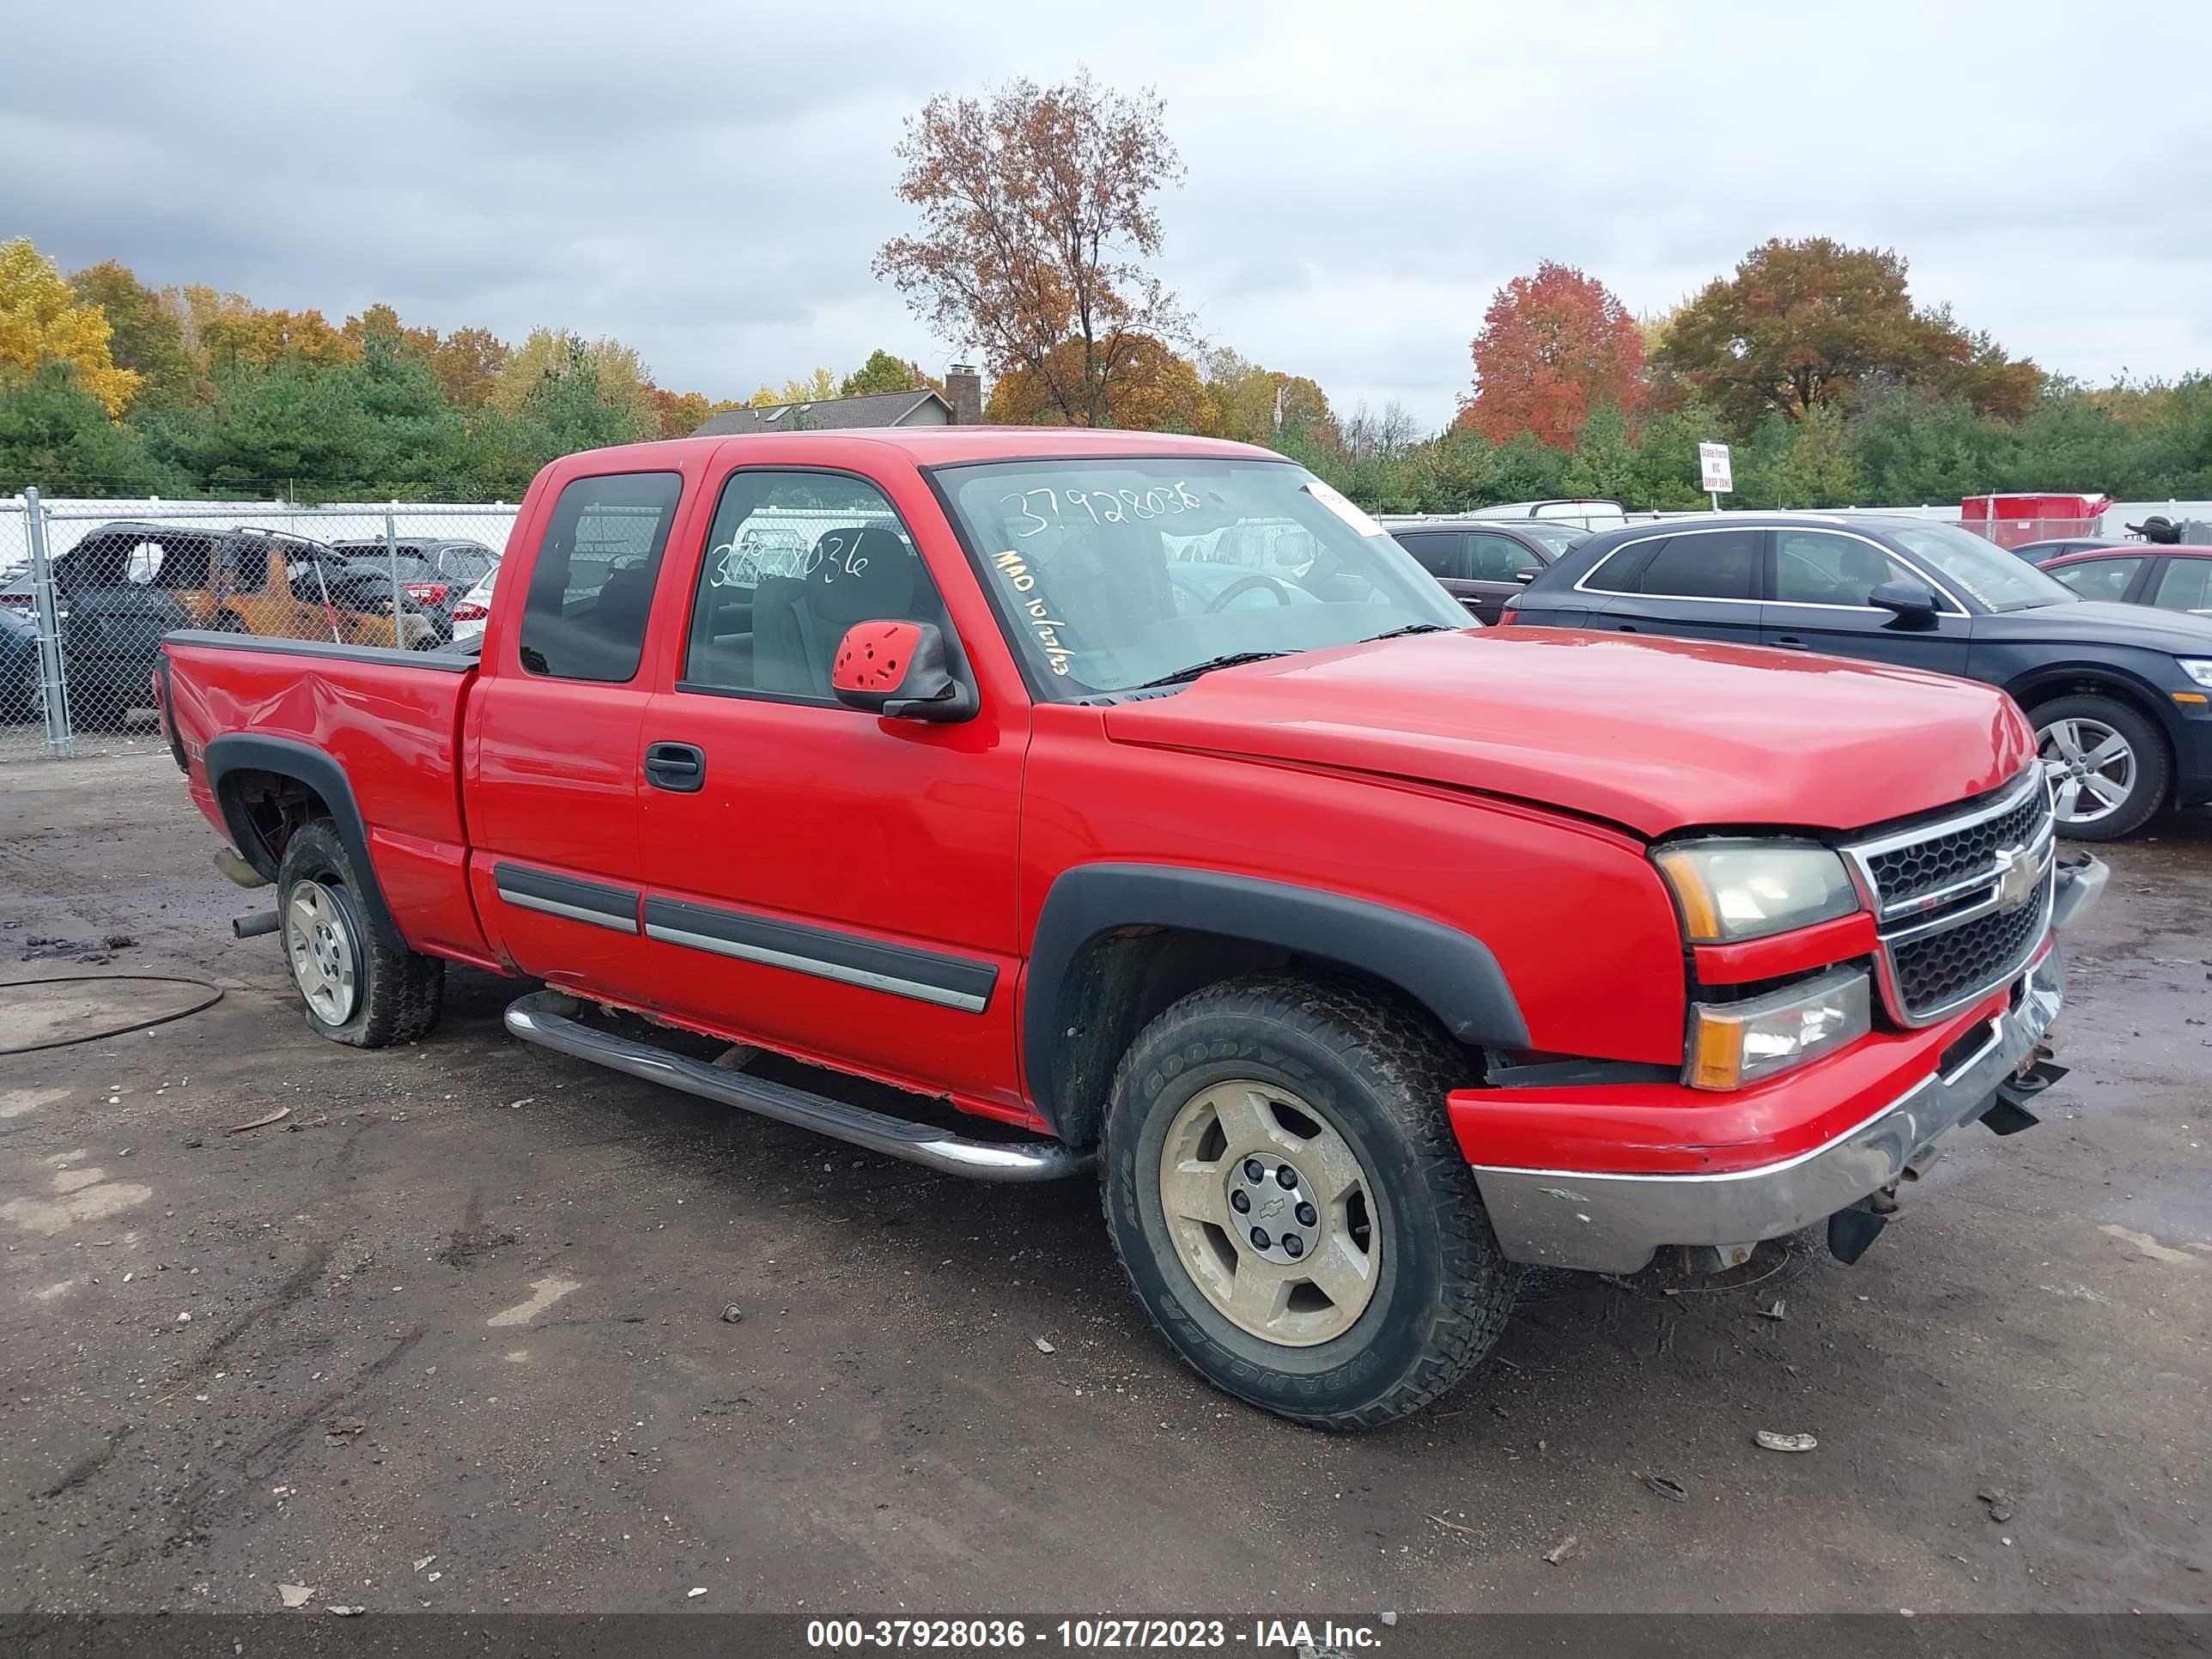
(1616, 1222)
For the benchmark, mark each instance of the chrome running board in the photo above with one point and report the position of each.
(540, 1017)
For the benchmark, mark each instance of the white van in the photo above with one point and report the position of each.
(1589, 513)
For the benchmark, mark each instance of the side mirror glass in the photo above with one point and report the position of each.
(1528, 574)
(1912, 602)
(899, 669)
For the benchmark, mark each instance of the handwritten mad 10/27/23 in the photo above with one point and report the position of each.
(1103, 506)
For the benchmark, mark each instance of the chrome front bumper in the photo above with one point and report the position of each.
(1616, 1223)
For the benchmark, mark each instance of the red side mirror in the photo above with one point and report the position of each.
(899, 669)
(874, 658)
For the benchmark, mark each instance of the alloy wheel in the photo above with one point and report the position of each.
(326, 961)
(2093, 770)
(1271, 1213)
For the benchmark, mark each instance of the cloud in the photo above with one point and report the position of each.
(710, 182)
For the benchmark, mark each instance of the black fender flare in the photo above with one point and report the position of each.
(2115, 680)
(1450, 972)
(286, 758)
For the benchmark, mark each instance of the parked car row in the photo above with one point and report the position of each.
(123, 586)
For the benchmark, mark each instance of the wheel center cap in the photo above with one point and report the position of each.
(1275, 1216)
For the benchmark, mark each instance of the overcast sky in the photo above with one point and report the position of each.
(708, 183)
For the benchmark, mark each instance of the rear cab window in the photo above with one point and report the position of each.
(590, 589)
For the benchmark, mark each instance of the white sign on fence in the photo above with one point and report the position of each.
(1713, 468)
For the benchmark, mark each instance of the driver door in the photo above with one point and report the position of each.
(1817, 588)
(821, 880)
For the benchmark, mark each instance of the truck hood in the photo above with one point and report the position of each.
(1656, 735)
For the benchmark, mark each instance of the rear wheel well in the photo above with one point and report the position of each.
(273, 808)
(1122, 979)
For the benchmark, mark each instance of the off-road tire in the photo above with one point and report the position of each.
(399, 992)
(1380, 1070)
(2153, 762)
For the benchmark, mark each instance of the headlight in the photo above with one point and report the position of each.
(1732, 1043)
(1736, 889)
(2198, 668)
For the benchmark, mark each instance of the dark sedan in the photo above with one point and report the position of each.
(1483, 562)
(2121, 696)
(2171, 578)
(2045, 552)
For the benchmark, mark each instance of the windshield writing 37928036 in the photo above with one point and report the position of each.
(1104, 506)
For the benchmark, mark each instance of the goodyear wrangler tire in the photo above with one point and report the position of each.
(1286, 1196)
(357, 989)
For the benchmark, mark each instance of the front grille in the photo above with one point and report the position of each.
(1953, 918)
(1946, 967)
(1921, 867)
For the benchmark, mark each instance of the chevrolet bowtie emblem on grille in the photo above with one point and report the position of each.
(2017, 878)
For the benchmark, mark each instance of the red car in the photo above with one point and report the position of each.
(1138, 799)
(2173, 576)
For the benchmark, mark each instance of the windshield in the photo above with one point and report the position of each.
(1116, 573)
(1556, 536)
(1982, 571)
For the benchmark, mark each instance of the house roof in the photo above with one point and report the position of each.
(879, 408)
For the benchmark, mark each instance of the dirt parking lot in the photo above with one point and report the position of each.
(451, 1335)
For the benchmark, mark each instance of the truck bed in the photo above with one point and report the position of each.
(387, 724)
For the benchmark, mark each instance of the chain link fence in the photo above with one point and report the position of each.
(88, 590)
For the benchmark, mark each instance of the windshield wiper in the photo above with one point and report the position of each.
(1234, 659)
(1411, 628)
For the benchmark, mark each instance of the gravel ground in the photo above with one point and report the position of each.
(451, 1334)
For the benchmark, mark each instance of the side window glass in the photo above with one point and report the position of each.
(2104, 578)
(249, 565)
(1499, 558)
(1714, 565)
(1438, 552)
(793, 559)
(591, 587)
(1812, 567)
(2182, 585)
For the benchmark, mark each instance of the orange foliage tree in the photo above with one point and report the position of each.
(1149, 389)
(1037, 226)
(1554, 346)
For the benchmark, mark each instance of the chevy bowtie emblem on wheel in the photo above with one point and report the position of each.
(2017, 877)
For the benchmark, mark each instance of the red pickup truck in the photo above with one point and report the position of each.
(1136, 800)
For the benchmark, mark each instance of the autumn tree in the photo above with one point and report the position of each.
(1254, 404)
(467, 362)
(883, 372)
(818, 387)
(617, 376)
(1555, 345)
(229, 331)
(1152, 390)
(1037, 230)
(147, 338)
(44, 320)
(1804, 324)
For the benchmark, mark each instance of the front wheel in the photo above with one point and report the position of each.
(2107, 766)
(1287, 1199)
(359, 990)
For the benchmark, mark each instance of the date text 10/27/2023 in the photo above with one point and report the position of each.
(1088, 1635)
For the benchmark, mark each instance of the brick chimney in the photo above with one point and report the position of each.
(963, 390)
